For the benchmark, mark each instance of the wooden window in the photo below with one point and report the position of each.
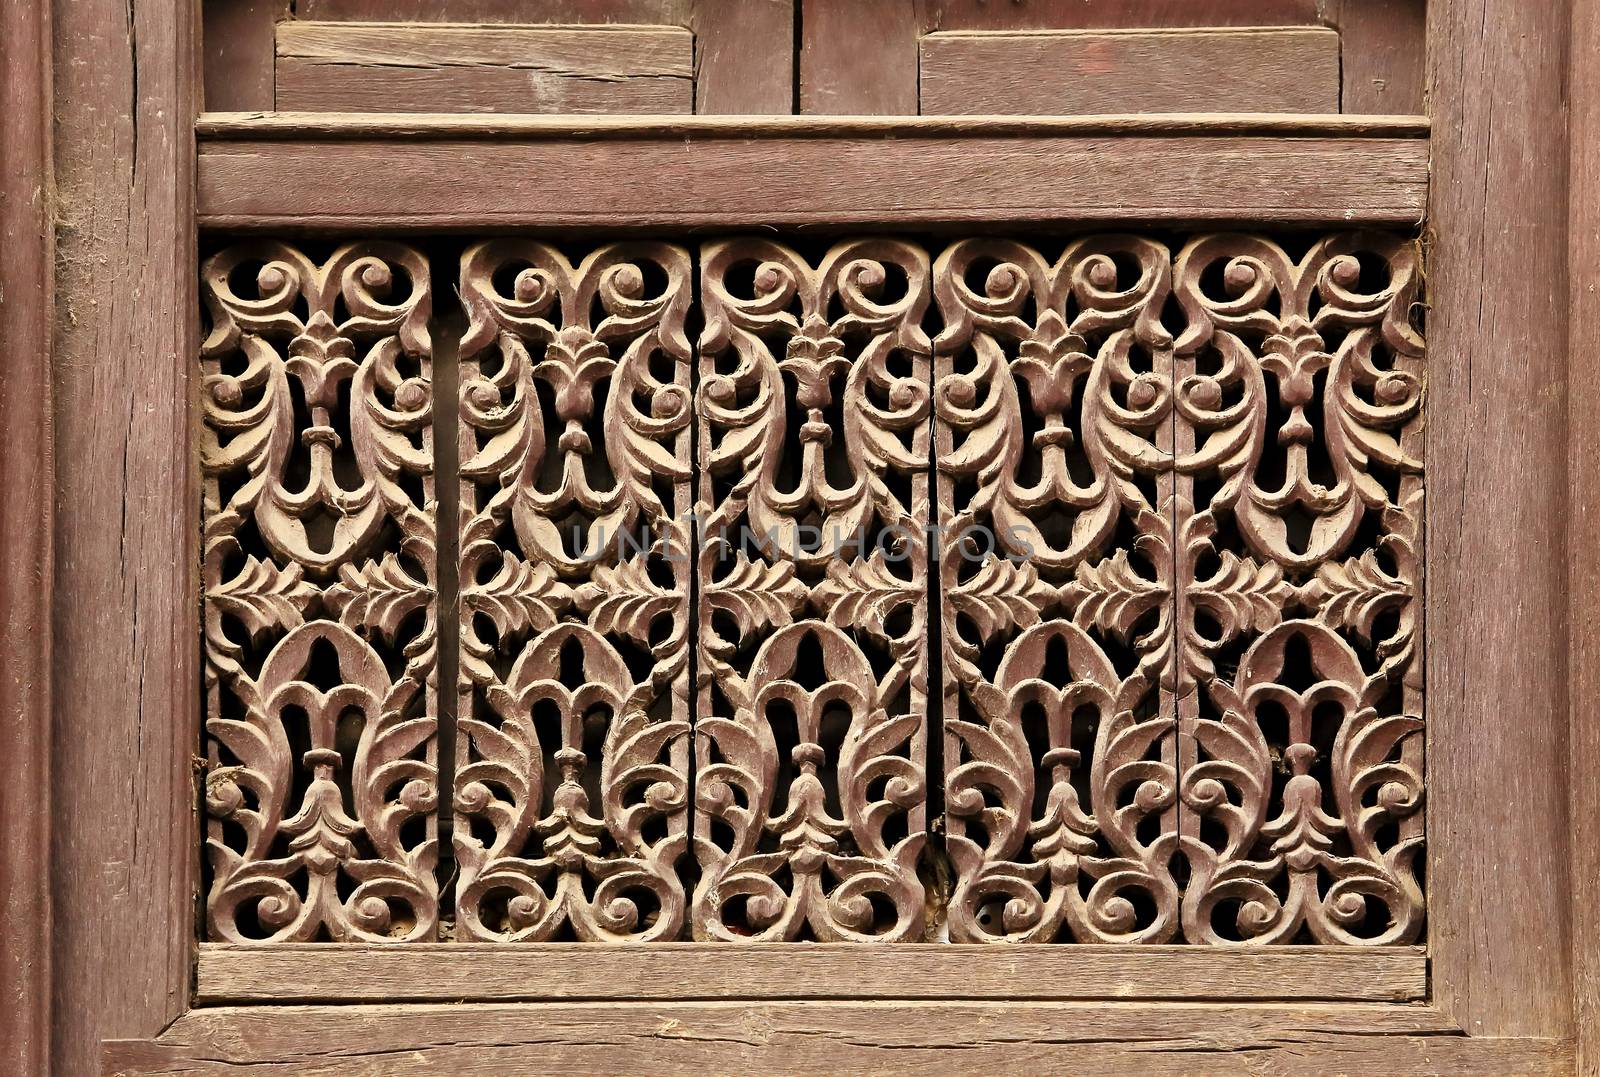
(439, 757)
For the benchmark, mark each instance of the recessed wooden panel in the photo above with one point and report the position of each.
(1069, 72)
(391, 67)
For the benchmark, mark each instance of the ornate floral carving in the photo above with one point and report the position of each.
(1053, 397)
(1299, 504)
(319, 594)
(810, 738)
(572, 778)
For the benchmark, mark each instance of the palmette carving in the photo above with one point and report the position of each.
(1175, 558)
(572, 778)
(810, 738)
(319, 595)
(1053, 398)
(1299, 511)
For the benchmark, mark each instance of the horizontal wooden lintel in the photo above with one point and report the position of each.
(400, 173)
(685, 971)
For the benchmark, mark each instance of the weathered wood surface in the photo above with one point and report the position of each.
(685, 971)
(126, 627)
(598, 12)
(821, 1037)
(27, 277)
(1496, 436)
(1583, 529)
(1383, 51)
(717, 177)
(396, 67)
(976, 73)
(743, 56)
(238, 58)
(861, 58)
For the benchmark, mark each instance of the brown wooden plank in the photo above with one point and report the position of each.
(27, 276)
(1108, 14)
(237, 39)
(743, 57)
(820, 1037)
(125, 676)
(724, 178)
(372, 67)
(683, 971)
(1087, 72)
(1583, 527)
(665, 12)
(1497, 587)
(858, 59)
(1384, 48)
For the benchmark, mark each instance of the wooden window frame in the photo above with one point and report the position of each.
(105, 754)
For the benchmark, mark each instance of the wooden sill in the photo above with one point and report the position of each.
(321, 172)
(688, 971)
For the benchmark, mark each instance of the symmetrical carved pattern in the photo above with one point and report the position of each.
(572, 778)
(1164, 504)
(1053, 396)
(319, 586)
(1298, 513)
(810, 739)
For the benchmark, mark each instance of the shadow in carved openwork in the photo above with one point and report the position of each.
(1298, 516)
(572, 778)
(1053, 396)
(810, 739)
(319, 528)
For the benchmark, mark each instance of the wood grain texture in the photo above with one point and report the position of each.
(125, 675)
(1087, 72)
(665, 12)
(858, 59)
(1106, 14)
(237, 58)
(743, 56)
(1496, 673)
(685, 971)
(713, 178)
(829, 1038)
(372, 67)
(27, 272)
(1384, 52)
(1583, 527)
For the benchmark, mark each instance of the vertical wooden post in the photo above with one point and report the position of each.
(26, 259)
(1583, 523)
(1497, 587)
(126, 682)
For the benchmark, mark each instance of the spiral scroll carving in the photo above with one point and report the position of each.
(1148, 512)
(319, 561)
(572, 776)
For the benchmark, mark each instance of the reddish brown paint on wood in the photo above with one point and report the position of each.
(953, 175)
(1384, 50)
(666, 12)
(829, 1038)
(1129, 71)
(858, 59)
(237, 50)
(1583, 527)
(679, 971)
(743, 56)
(126, 676)
(26, 579)
(1497, 438)
(1097, 14)
(372, 67)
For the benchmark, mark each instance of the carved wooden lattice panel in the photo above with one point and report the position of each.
(319, 595)
(572, 783)
(1158, 503)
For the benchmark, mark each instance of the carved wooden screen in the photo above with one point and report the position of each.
(978, 590)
